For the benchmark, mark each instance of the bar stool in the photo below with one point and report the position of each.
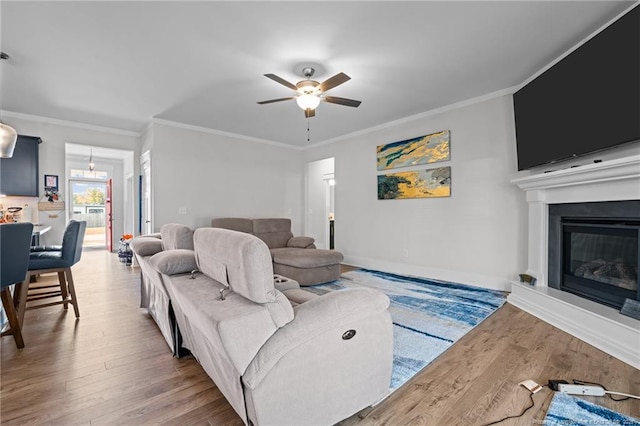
(54, 260)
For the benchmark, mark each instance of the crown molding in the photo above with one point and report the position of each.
(421, 116)
(390, 124)
(66, 123)
(222, 133)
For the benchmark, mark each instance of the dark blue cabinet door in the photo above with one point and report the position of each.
(19, 174)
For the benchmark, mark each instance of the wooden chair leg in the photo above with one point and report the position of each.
(67, 292)
(72, 290)
(21, 292)
(63, 288)
(14, 324)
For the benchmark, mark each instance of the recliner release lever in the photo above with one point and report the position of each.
(221, 293)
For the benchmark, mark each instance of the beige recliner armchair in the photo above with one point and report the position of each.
(317, 363)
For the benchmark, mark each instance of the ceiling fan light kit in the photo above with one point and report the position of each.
(8, 135)
(310, 92)
(308, 101)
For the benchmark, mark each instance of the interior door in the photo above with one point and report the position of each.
(109, 213)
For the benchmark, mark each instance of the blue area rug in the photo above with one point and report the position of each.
(428, 316)
(568, 410)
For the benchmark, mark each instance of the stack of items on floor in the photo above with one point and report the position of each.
(279, 354)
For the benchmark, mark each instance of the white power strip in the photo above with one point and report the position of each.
(581, 389)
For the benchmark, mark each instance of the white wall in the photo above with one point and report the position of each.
(213, 175)
(55, 134)
(476, 236)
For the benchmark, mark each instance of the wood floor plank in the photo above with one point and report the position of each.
(112, 366)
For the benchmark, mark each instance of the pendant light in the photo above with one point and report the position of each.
(8, 138)
(8, 135)
(91, 163)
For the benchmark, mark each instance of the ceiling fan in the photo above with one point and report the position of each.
(310, 92)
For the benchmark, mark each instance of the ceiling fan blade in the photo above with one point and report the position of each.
(308, 113)
(270, 101)
(334, 81)
(281, 81)
(342, 101)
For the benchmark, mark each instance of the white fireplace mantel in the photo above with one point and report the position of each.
(603, 327)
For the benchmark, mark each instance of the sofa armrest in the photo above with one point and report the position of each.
(173, 262)
(301, 242)
(331, 315)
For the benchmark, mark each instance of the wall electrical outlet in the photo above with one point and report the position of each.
(182, 210)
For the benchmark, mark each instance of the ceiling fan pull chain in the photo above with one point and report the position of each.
(308, 132)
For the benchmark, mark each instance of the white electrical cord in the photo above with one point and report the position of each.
(625, 395)
(622, 394)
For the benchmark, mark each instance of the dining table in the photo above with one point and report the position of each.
(38, 230)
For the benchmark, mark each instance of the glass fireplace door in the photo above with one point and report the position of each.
(600, 261)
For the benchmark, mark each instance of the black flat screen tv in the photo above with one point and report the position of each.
(587, 102)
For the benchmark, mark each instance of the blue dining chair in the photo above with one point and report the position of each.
(15, 242)
(54, 260)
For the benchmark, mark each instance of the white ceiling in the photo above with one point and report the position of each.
(121, 64)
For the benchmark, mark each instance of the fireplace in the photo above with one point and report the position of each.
(599, 195)
(600, 260)
(593, 250)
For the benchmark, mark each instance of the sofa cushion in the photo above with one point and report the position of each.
(305, 258)
(300, 242)
(279, 224)
(145, 246)
(274, 232)
(236, 327)
(46, 260)
(176, 236)
(240, 260)
(171, 262)
(234, 223)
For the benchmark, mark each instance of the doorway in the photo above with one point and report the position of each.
(114, 168)
(90, 204)
(320, 202)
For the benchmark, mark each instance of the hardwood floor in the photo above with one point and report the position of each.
(112, 366)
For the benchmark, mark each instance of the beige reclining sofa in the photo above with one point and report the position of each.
(149, 251)
(291, 255)
(316, 363)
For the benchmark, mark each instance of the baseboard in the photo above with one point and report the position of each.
(600, 326)
(477, 280)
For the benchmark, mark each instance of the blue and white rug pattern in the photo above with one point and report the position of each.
(568, 410)
(428, 315)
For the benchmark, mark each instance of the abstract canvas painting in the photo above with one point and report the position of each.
(411, 152)
(429, 183)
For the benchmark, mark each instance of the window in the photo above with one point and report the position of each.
(96, 174)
